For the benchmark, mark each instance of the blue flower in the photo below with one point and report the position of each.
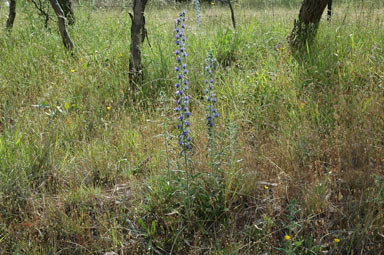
(210, 98)
(182, 99)
(198, 13)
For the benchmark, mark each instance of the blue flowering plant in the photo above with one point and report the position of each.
(182, 98)
(211, 111)
(198, 12)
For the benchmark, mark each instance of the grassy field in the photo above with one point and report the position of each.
(89, 166)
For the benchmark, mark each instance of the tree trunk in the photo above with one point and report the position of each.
(62, 26)
(66, 5)
(138, 33)
(329, 10)
(304, 30)
(232, 13)
(12, 14)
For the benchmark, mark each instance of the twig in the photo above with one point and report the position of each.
(42, 12)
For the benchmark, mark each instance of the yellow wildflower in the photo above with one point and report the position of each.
(266, 187)
(212, 3)
(73, 70)
(336, 240)
(287, 237)
(108, 108)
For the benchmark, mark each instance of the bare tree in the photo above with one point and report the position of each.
(39, 6)
(232, 13)
(305, 28)
(12, 14)
(66, 5)
(62, 26)
(329, 15)
(138, 34)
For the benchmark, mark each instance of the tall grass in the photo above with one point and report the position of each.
(84, 169)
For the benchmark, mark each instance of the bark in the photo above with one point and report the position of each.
(329, 15)
(305, 28)
(62, 26)
(232, 13)
(138, 34)
(66, 5)
(12, 14)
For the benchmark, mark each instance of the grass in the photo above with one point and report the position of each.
(84, 167)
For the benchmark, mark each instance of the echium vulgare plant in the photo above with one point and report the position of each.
(181, 85)
(198, 12)
(211, 111)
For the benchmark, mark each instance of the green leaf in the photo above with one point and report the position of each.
(67, 106)
(141, 222)
(153, 228)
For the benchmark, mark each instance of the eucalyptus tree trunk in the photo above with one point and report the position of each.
(232, 13)
(12, 14)
(138, 33)
(62, 26)
(305, 28)
(66, 5)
